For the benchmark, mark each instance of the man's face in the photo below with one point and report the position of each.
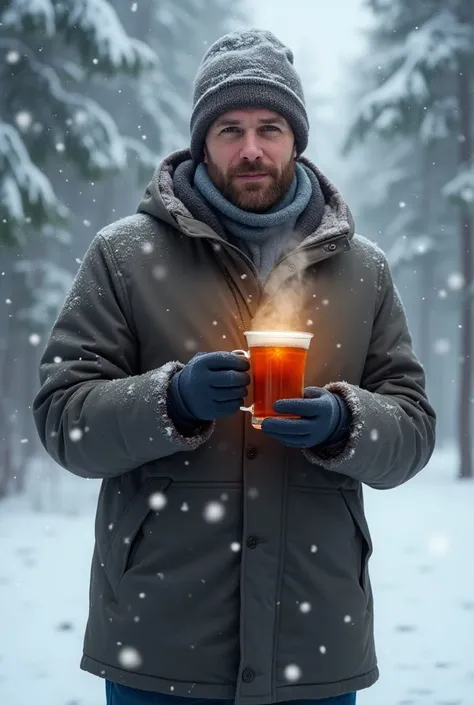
(250, 156)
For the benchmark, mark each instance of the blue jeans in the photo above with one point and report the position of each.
(122, 695)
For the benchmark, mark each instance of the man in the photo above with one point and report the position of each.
(232, 563)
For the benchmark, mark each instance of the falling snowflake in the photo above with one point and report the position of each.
(339, 345)
(305, 607)
(214, 512)
(8, 301)
(147, 247)
(325, 302)
(34, 339)
(24, 440)
(81, 117)
(159, 272)
(439, 544)
(442, 346)
(224, 497)
(292, 673)
(402, 204)
(87, 223)
(314, 548)
(214, 323)
(23, 119)
(309, 322)
(244, 276)
(235, 546)
(75, 434)
(142, 595)
(185, 507)
(253, 493)
(348, 619)
(12, 57)
(322, 649)
(374, 435)
(190, 345)
(157, 501)
(129, 658)
(57, 359)
(60, 146)
(456, 281)
(442, 293)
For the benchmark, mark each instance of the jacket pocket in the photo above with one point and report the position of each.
(325, 611)
(356, 511)
(127, 534)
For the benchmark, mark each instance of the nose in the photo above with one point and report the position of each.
(251, 149)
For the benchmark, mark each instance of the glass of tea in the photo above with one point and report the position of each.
(277, 361)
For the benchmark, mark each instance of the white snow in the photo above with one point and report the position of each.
(422, 573)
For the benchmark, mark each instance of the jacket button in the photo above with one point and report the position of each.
(332, 247)
(248, 675)
(252, 542)
(251, 453)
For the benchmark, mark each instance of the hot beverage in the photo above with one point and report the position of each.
(278, 361)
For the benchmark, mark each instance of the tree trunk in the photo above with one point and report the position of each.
(467, 269)
(426, 304)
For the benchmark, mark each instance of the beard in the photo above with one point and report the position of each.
(253, 196)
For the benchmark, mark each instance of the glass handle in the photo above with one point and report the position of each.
(244, 353)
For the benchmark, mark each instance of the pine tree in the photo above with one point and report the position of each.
(421, 66)
(48, 52)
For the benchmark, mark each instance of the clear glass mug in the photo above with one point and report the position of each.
(278, 362)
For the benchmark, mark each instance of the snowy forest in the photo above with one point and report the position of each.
(93, 94)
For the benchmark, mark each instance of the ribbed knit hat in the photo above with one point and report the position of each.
(247, 69)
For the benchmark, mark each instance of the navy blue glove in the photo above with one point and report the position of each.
(324, 419)
(210, 386)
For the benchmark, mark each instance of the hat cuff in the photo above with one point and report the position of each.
(243, 94)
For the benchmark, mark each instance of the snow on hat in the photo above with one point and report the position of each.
(247, 69)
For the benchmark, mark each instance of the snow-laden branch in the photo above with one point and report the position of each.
(94, 27)
(30, 16)
(436, 45)
(23, 186)
(92, 137)
(461, 189)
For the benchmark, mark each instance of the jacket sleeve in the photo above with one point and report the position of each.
(392, 432)
(95, 416)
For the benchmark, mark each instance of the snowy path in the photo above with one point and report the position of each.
(422, 571)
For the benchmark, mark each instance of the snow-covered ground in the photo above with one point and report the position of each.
(422, 572)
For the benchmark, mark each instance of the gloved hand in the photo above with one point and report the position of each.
(210, 386)
(324, 419)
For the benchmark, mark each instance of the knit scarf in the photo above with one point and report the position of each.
(263, 237)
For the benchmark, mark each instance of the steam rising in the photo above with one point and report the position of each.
(283, 305)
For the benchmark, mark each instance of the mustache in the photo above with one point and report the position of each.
(252, 168)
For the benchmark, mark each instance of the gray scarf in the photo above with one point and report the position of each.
(262, 236)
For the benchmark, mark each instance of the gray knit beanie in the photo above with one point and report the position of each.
(247, 69)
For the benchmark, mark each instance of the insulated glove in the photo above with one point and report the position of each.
(210, 386)
(325, 419)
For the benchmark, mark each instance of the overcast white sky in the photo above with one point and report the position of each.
(328, 29)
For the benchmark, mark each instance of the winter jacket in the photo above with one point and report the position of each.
(225, 565)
